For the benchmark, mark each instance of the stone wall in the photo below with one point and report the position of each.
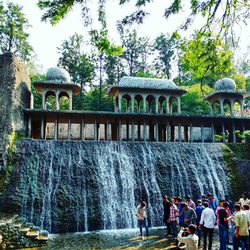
(15, 93)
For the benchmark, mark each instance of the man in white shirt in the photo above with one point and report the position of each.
(191, 241)
(246, 210)
(244, 200)
(207, 222)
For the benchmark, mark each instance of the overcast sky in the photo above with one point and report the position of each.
(46, 38)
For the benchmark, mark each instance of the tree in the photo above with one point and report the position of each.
(222, 14)
(206, 59)
(135, 51)
(13, 35)
(166, 47)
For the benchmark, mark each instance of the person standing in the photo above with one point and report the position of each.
(241, 229)
(223, 226)
(203, 199)
(207, 222)
(191, 240)
(180, 211)
(189, 214)
(173, 219)
(166, 213)
(211, 202)
(199, 209)
(189, 202)
(244, 200)
(246, 209)
(141, 214)
(230, 203)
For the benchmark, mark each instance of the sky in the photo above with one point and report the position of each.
(45, 38)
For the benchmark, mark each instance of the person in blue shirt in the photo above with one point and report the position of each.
(180, 209)
(211, 202)
(199, 209)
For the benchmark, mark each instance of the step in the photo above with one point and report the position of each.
(43, 235)
(26, 227)
(33, 232)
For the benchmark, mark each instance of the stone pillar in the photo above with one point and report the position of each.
(156, 104)
(191, 132)
(42, 128)
(43, 100)
(57, 100)
(202, 133)
(70, 100)
(178, 104)
(133, 103)
(133, 131)
(144, 103)
(156, 132)
(168, 133)
(232, 107)
(138, 106)
(95, 130)
(223, 132)
(107, 131)
(119, 103)
(212, 133)
(144, 131)
(30, 126)
(241, 108)
(179, 133)
(69, 128)
(56, 129)
(221, 107)
(82, 130)
(167, 105)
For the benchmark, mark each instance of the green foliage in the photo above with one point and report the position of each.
(240, 81)
(13, 35)
(193, 102)
(206, 58)
(218, 137)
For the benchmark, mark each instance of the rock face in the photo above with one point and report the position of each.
(15, 94)
(243, 166)
(66, 186)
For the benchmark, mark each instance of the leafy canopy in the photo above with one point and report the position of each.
(13, 35)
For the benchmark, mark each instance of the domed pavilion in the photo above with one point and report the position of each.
(225, 93)
(58, 85)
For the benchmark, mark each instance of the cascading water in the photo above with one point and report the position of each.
(66, 186)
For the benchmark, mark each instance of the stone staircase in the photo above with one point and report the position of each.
(16, 232)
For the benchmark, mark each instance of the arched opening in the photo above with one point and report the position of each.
(173, 105)
(138, 103)
(63, 101)
(150, 107)
(50, 100)
(126, 103)
(216, 108)
(162, 104)
(227, 107)
(236, 108)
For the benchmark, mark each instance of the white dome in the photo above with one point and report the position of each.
(57, 75)
(225, 85)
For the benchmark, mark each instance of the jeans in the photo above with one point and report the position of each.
(143, 223)
(207, 232)
(199, 234)
(174, 230)
(242, 241)
(223, 235)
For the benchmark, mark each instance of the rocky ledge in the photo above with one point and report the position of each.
(16, 233)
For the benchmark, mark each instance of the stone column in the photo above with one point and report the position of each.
(95, 130)
(30, 126)
(133, 103)
(43, 100)
(234, 135)
(221, 106)
(178, 104)
(119, 103)
(156, 132)
(133, 131)
(168, 132)
(70, 100)
(156, 104)
(82, 130)
(202, 133)
(56, 129)
(57, 100)
(223, 132)
(42, 128)
(144, 131)
(107, 131)
(232, 107)
(167, 105)
(138, 106)
(191, 132)
(212, 133)
(144, 103)
(241, 108)
(179, 132)
(69, 128)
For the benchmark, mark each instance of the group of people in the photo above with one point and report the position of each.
(188, 221)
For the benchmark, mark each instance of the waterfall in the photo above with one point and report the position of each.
(68, 186)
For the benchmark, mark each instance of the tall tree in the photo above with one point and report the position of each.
(166, 47)
(13, 34)
(135, 51)
(206, 58)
